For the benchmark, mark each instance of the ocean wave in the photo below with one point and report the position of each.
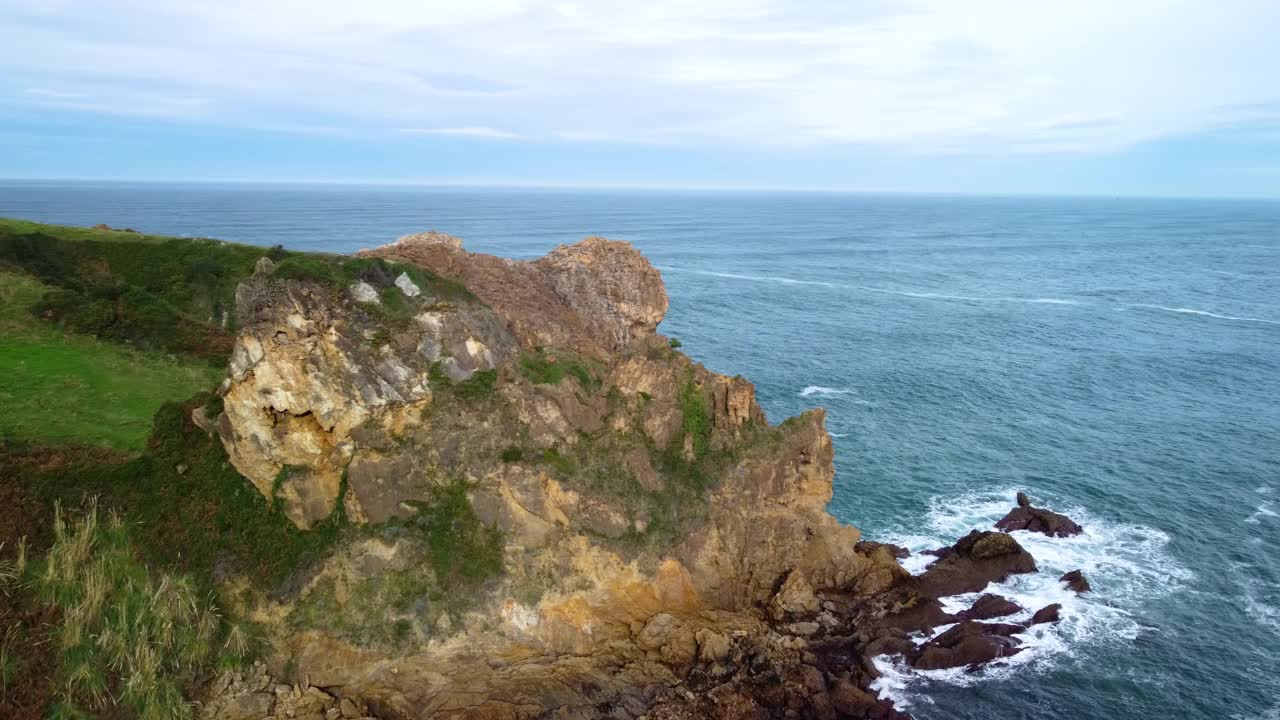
(820, 390)
(1128, 565)
(969, 298)
(1263, 511)
(1262, 613)
(923, 295)
(1205, 313)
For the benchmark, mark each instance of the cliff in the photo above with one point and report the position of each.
(549, 511)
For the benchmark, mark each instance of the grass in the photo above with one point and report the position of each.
(171, 294)
(62, 388)
(205, 519)
(542, 368)
(125, 636)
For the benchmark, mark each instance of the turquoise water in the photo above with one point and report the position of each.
(1117, 359)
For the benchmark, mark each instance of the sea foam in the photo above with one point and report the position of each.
(1128, 565)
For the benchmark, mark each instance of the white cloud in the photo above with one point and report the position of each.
(926, 75)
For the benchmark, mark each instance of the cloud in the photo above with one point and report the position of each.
(926, 76)
(473, 131)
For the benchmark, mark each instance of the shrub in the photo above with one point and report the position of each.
(674, 343)
(512, 454)
(479, 385)
(696, 415)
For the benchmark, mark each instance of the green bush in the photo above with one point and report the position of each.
(544, 369)
(479, 385)
(696, 415)
(512, 454)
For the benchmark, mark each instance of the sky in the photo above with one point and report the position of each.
(1123, 97)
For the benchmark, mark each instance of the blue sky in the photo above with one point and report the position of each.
(1135, 97)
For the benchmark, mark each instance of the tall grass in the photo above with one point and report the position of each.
(126, 637)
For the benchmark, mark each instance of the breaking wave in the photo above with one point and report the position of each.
(1128, 565)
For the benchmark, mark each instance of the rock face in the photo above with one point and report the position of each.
(595, 296)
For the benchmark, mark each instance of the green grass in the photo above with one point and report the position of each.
(542, 368)
(61, 388)
(71, 232)
(170, 294)
(205, 519)
(696, 416)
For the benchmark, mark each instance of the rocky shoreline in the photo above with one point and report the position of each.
(664, 552)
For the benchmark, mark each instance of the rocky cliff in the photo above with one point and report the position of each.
(547, 510)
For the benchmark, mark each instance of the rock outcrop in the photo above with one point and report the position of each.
(550, 512)
(1026, 517)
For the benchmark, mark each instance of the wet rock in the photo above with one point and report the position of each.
(1046, 614)
(974, 561)
(1027, 517)
(968, 644)
(990, 606)
(1076, 581)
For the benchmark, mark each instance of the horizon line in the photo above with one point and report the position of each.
(621, 187)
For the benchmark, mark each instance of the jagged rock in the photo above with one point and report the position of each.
(868, 547)
(363, 292)
(1046, 614)
(1027, 517)
(407, 286)
(1076, 581)
(795, 597)
(991, 606)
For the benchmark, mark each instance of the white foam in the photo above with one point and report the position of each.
(1262, 613)
(1128, 565)
(1206, 313)
(1263, 490)
(1264, 511)
(819, 390)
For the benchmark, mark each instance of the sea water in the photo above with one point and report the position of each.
(1117, 359)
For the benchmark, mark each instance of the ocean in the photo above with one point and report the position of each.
(1117, 359)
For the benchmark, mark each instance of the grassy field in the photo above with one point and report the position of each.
(57, 387)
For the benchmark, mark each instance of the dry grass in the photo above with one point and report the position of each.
(126, 637)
